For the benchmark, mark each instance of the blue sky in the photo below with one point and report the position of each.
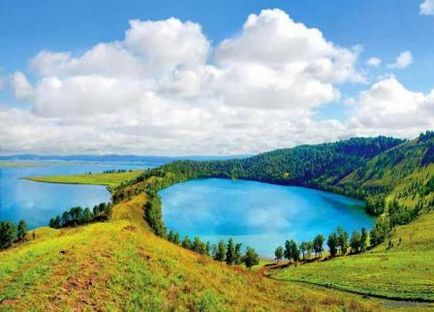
(381, 29)
(384, 28)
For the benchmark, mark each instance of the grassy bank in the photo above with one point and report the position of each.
(405, 270)
(108, 179)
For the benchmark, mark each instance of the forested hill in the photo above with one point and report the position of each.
(321, 165)
(368, 168)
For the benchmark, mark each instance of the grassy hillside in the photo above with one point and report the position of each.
(120, 265)
(109, 179)
(405, 270)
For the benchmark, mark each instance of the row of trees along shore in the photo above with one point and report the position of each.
(79, 216)
(11, 233)
(229, 252)
(339, 243)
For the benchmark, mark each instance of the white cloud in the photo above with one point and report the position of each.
(389, 108)
(403, 60)
(427, 7)
(163, 89)
(373, 62)
(21, 87)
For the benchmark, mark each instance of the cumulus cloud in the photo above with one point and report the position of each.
(22, 88)
(389, 108)
(373, 62)
(403, 60)
(427, 7)
(164, 89)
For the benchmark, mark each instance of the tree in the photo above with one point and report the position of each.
(230, 252)
(154, 215)
(278, 253)
(355, 242)
(76, 215)
(364, 240)
(251, 258)
(66, 218)
(52, 223)
(309, 249)
(176, 239)
(87, 215)
(287, 252)
(208, 248)
(22, 230)
(220, 251)
(170, 236)
(318, 242)
(237, 255)
(291, 250)
(8, 233)
(295, 252)
(379, 232)
(186, 242)
(197, 245)
(342, 237)
(303, 247)
(332, 242)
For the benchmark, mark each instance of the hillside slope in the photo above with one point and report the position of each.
(405, 269)
(120, 265)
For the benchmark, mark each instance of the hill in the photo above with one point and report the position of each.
(121, 265)
(403, 269)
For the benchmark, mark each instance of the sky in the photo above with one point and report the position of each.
(211, 77)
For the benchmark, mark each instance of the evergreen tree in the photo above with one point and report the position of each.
(87, 215)
(237, 255)
(220, 251)
(176, 239)
(318, 244)
(287, 252)
(342, 237)
(278, 253)
(303, 247)
(251, 258)
(295, 252)
(8, 233)
(230, 252)
(364, 240)
(332, 242)
(186, 242)
(355, 242)
(22, 230)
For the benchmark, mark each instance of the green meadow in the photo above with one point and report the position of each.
(402, 269)
(108, 179)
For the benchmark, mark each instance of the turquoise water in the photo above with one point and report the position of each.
(37, 202)
(257, 214)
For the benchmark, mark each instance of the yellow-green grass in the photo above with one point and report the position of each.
(120, 265)
(108, 179)
(404, 271)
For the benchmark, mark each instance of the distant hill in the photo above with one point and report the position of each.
(115, 158)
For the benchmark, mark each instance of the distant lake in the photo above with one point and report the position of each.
(257, 214)
(37, 202)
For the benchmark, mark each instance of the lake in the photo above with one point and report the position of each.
(257, 214)
(37, 202)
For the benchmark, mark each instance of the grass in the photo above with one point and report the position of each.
(108, 179)
(120, 265)
(404, 271)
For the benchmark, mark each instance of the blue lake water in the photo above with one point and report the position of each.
(37, 202)
(257, 214)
